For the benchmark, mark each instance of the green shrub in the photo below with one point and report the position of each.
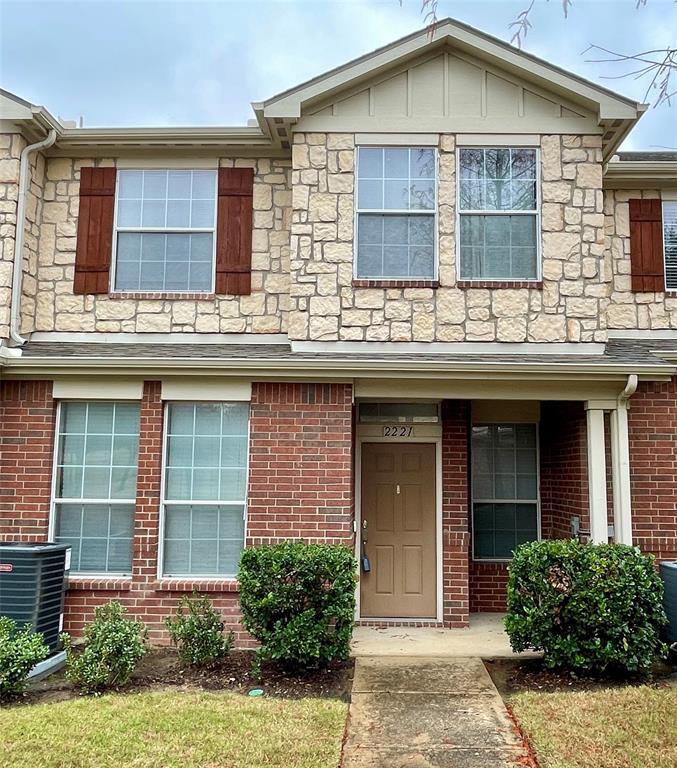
(20, 650)
(588, 607)
(298, 601)
(197, 631)
(113, 647)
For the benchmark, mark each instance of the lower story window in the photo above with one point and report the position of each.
(504, 488)
(95, 484)
(204, 488)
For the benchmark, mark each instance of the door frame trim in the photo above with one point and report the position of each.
(434, 438)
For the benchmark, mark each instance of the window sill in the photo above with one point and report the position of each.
(187, 584)
(161, 295)
(100, 583)
(466, 284)
(396, 283)
(504, 562)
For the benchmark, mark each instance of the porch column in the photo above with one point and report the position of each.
(599, 529)
(620, 464)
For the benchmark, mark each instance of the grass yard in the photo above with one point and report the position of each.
(631, 727)
(174, 730)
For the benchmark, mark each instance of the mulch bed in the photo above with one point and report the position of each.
(512, 676)
(161, 669)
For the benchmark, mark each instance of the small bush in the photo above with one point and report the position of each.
(197, 631)
(113, 647)
(588, 607)
(20, 650)
(298, 601)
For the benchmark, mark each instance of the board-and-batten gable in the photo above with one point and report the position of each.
(449, 92)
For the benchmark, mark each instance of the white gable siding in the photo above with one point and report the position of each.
(447, 91)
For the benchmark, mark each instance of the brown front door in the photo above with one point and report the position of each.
(398, 510)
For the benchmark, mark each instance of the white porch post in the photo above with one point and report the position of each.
(620, 463)
(599, 529)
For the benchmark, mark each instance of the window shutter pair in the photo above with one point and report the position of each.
(233, 230)
(646, 245)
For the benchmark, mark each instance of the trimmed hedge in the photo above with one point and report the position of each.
(198, 632)
(588, 607)
(20, 650)
(113, 647)
(298, 601)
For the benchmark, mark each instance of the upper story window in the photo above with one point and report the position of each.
(396, 213)
(165, 230)
(498, 211)
(670, 243)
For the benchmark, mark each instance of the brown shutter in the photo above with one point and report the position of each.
(95, 230)
(234, 231)
(646, 245)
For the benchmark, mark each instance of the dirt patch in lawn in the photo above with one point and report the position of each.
(161, 669)
(512, 676)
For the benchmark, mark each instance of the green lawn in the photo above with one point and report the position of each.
(174, 730)
(633, 727)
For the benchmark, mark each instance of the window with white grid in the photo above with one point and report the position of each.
(396, 210)
(165, 230)
(670, 243)
(498, 214)
(95, 484)
(205, 487)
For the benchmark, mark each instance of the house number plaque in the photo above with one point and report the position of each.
(399, 431)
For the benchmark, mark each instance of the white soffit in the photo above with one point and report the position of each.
(214, 390)
(89, 389)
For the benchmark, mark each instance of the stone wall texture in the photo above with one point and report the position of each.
(51, 305)
(628, 310)
(10, 151)
(326, 305)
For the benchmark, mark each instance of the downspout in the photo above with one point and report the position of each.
(17, 274)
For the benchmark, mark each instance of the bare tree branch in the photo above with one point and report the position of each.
(659, 63)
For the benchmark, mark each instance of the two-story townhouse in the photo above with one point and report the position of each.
(421, 306)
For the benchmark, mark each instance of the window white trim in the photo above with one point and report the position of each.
(162, 230)
(204, 502)
(471, 510)
(85, 389)
(434, 212)
(53, 501)
(536, 213)
(219, 390)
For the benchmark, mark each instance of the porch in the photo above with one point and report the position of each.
(485, 637)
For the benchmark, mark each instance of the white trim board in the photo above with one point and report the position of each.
(452, 348)
(195, 389)
(104, 389)
(162, 338)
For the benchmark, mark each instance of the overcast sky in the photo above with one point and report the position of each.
(199, 62)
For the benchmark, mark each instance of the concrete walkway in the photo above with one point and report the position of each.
(485, 637)
(428, 712)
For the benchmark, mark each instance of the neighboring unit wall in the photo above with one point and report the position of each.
(652, 421)
(326, 306)
(264, 311)
(629, 310)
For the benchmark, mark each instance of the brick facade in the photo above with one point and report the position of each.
(653, 459)
(301, 486)
(455, 506)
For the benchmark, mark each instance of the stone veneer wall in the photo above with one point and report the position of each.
(264, 311)
(627, 309)
(10, 152)
(327, 306)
